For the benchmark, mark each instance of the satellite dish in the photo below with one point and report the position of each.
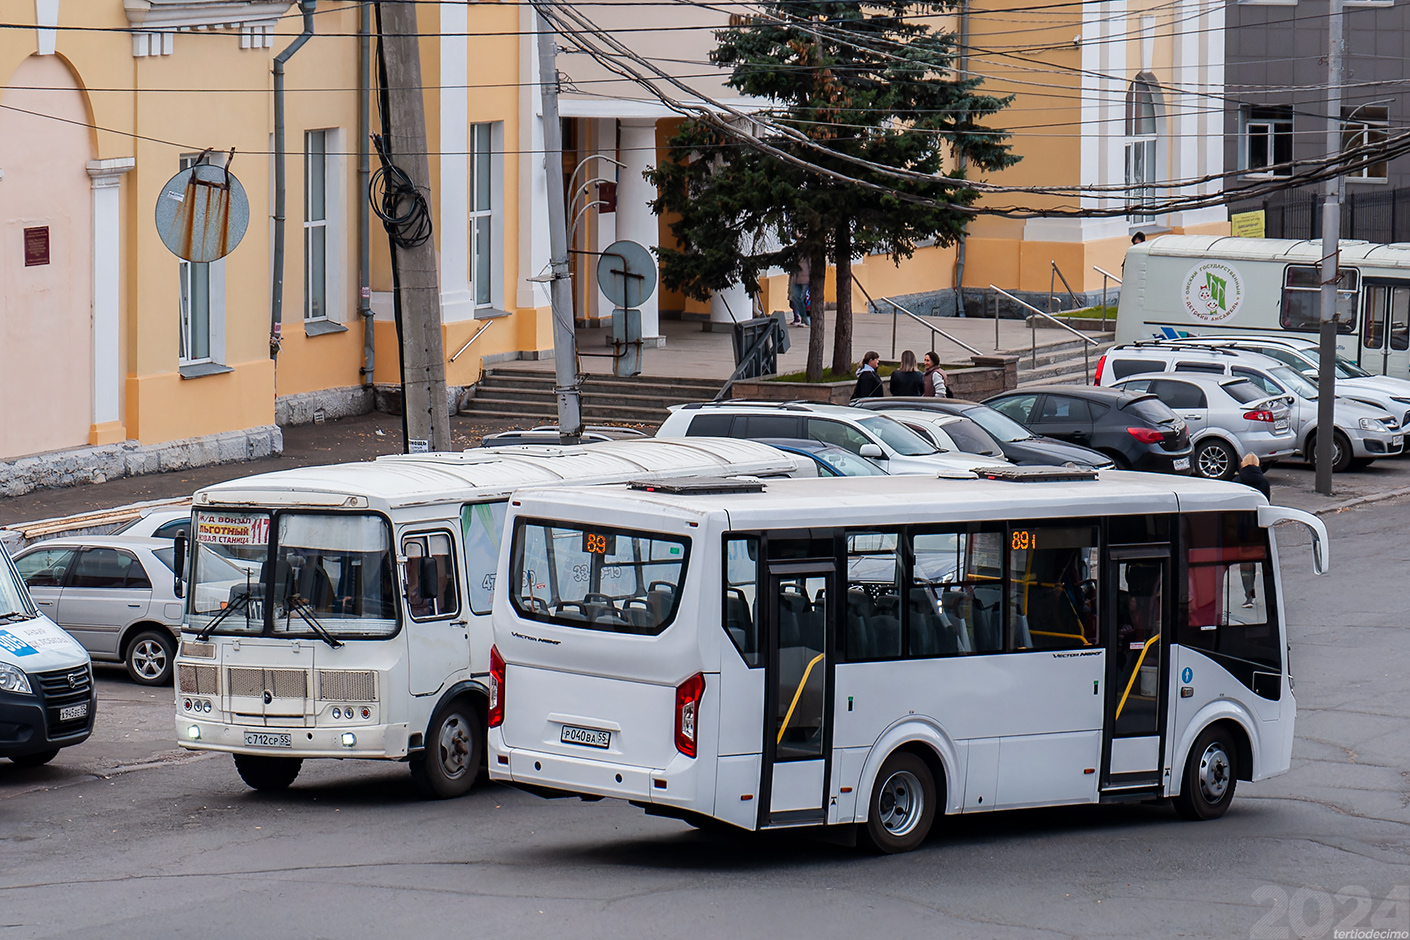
(626, 273)
(202, 213)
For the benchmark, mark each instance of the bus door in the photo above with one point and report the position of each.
(798, 692)
(1385, 328)
(1138, 635)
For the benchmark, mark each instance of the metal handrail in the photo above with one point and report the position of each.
(1033, 332)
(1105, 274)
(1058, 272)
(751, 364)
(934, 330)
(472, 339)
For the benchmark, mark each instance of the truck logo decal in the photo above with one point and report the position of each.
(1212, 292)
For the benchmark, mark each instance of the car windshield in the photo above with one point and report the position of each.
(1293, 382)
(998, 424)
(14, 598)
(331, 576)
(1346, 369)
(1152, 409)
(970, 438)
(897, 436)
(849, 463)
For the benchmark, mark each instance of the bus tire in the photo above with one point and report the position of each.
(1211, 776)
(455, 741)
(902, 806)
(269, 774)
(1215, 459)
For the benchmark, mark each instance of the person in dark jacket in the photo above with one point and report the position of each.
(868, 382)
(1251, 474)
(935, 384)
(906, 381)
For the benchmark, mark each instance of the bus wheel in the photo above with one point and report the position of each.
(1216, 460)
(267, 773)
(902, 804)
(451, 761)
(1210, 777)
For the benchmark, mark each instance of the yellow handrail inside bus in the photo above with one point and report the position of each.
(797, 694)
(1134, 673)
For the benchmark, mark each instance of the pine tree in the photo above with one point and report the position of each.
(868, 81)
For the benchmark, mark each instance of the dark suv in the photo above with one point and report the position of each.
(1138, 432)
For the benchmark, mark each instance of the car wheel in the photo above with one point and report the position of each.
(450, 762)
(267, 773)
(35, 760)
(149, 658)
(1211, 776)
(1216, 460)
(903, 805)
(1341, 451)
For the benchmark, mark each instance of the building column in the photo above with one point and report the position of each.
(106, 176)
(605, 218)
(635, 220)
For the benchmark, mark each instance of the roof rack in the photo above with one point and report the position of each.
(746, 403)
(1070, 474)
(1178, 344)
(705, 486)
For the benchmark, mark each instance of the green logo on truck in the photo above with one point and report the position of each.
(1212, 292)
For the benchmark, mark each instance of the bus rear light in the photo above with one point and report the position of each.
(1259, 414)
(1146, 435)
(688, 695)
(496, 688)
(1101, 364)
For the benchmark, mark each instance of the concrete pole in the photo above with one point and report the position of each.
(565, 347)
(1331, 225)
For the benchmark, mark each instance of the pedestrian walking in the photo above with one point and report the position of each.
(906, 381)
(868, 381)
(935, 384)
(798, 298)
(1251, 474)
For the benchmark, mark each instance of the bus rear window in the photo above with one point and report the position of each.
(597, 577)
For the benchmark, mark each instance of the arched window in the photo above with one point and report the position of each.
(1142, 114)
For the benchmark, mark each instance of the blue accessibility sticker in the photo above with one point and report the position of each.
(1187, 675)
(14, 645)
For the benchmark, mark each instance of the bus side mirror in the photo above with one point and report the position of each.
(179, 563)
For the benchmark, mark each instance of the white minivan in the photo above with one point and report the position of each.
(47, 701)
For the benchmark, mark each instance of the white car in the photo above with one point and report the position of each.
(879, 438)
(159, 523)
(117, 596)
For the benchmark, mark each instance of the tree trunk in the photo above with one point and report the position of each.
(842, 335)
(817, 284)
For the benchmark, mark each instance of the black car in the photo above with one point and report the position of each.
(1013, 441)
(1138, 432)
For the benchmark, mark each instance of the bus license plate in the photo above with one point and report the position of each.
(586, 737)
(74, 711)
(260, 739)
(1182, 464)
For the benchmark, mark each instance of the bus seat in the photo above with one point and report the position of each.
(739, 621)
(1022, 639)
(931, 633)
(792, 606)
(660, 601)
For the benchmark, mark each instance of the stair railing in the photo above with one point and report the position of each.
(472, 339)
(934, 330)
(761, 358)
(1105, 275)
(1033, 331)
(1057, 273)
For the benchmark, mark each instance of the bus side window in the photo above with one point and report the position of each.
(1228, 607)
(741, 597)
(954, 602)
(872, 624)
(1053, 587)
(431, 589)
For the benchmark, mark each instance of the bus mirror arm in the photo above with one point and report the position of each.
(1269, 516)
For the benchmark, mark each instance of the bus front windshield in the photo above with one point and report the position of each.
(329, 575)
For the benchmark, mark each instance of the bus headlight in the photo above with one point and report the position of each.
(349, 739)
(194, 733)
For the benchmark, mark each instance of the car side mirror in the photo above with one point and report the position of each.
(180, 562)
(873, 451)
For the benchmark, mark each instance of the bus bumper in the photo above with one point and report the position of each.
(388, 742)
(674, 785)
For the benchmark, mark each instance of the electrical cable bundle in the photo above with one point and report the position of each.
(397, 202)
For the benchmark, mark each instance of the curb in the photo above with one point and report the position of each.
(1362, 500)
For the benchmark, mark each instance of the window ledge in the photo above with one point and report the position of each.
(322, 327)
(1372, 180)
(197, 370)
(490, 313)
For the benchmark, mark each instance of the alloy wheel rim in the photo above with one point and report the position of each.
(454, 746)
(149, 659)
(901, 803)
(1213, 462)
(1214, 773)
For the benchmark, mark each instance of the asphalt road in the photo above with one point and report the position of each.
(127, 836)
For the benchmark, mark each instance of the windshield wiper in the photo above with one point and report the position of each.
(14, 615)
(241, 602)
(300, 606)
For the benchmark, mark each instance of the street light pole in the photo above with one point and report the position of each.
(1331, 224)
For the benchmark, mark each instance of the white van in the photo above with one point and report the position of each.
(1205, 285)
(47, 701)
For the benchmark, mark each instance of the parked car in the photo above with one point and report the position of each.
(159, 523)
(1362, 432)
(879, 438)
(1383, 391)
(1015, 443)
(829, 459)
(116, 595)
(548, 434)
(1138, 432)
(1227, 418)
(47, 700)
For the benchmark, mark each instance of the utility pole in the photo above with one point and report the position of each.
(565, 349)
(1331, 225)
(417, 288)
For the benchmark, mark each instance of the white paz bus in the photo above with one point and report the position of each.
(879, 651)
(344, 611)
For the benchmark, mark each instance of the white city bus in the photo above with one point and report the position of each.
(379, 578)
(877, 651)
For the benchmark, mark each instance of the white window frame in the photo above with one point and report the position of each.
(315, 222)
(214, 291)
(1272, 127)
(485, 218)
(1363, 125)
(1141, 153)
(335, 261)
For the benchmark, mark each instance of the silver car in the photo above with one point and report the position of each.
(116, 595)
(1228, 418)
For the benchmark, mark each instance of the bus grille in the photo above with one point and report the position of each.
(199, 680)
(346, 686)
(280, 683)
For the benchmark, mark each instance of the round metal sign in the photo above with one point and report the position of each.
(626, 273)
(202, 213)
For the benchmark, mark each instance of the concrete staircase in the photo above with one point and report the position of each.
(524, 397)
(1059, 361)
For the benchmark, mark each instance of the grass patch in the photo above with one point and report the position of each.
(827, 376)
(1089, 313)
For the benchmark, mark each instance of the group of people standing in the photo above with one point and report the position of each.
(908, 381)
